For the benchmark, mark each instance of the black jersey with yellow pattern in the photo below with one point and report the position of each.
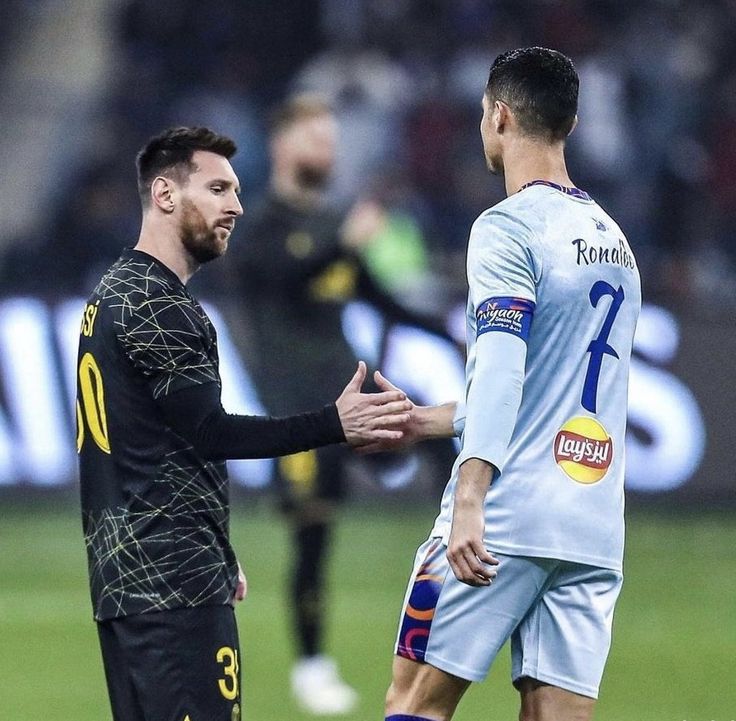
(155, 513)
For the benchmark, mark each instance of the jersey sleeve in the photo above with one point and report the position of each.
(503, 272)
(167, 341)
(458, 419)
(196, 414)
(502, 259)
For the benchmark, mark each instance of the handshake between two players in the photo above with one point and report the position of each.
(373, 421)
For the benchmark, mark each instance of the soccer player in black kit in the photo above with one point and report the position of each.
(297, 269)
(152, 438)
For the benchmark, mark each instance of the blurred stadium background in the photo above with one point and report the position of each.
(84, 83)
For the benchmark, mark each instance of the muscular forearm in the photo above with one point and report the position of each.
(435, 421)
(474, 480)
(470, 560)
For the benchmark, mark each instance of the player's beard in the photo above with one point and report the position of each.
(197, 237)
(494, 163)
(313, 177)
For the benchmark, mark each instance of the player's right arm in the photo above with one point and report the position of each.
(170, 342)
(470, 561)
(196, 414)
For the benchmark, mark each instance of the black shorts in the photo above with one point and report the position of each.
(173, 665)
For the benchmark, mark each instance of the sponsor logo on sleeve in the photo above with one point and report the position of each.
(507, 315)
(583, 450)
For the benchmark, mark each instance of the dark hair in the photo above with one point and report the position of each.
(540, 86)
(296, 108)
(170, 154)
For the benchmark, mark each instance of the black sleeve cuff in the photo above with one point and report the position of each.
(333, 423)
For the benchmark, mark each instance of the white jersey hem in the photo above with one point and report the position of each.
(512, 549)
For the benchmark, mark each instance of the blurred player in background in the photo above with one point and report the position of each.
(297, 268)
(152, 439)
(528, 544)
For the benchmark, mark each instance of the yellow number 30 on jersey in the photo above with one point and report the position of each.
(91, 405)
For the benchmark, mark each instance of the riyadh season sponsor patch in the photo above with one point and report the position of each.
(507, 315)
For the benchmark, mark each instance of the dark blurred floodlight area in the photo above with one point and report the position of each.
(85, 83)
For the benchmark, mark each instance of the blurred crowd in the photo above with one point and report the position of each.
(656, 143)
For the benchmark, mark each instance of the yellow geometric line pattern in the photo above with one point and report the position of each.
(165, 545)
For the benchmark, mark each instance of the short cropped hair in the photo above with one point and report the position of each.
(170, 154)
(540, 86)
(296, 108)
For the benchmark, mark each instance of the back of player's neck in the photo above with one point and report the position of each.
(516, 180)
(529, 161)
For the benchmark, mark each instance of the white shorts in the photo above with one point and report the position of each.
(557, 614)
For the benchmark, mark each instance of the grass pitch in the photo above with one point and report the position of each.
(674, 634)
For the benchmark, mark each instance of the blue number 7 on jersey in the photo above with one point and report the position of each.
(599, 346)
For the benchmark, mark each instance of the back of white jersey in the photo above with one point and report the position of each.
(555, 291)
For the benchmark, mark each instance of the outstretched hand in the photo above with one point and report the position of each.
(370, 418)
(409, 428)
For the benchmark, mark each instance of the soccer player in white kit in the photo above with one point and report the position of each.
(528, 543)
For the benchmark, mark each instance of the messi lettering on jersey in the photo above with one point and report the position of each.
(507, 315)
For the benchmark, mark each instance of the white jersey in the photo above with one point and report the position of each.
(554, 296)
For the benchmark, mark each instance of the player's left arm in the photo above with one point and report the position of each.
(492, 405)
(503, 271)
(469, 559)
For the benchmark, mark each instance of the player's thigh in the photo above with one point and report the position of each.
(422, 690)
(121, 690)
(544, 702)
(185, 662)
(459, 628)
(565, 638)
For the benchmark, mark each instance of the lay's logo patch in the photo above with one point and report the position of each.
(507, 315)
(583, 450)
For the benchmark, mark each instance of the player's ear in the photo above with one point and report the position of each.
(162, 194)
(574, 124)
(501, 116)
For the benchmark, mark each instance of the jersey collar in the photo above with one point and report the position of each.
(574, 192)
(147, 257)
